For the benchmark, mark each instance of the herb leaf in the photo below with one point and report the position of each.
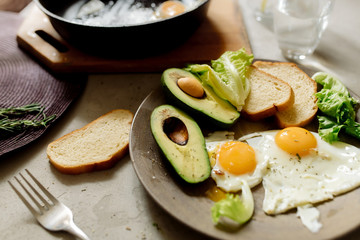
(11, 125)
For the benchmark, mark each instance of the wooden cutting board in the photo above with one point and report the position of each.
(223, 30)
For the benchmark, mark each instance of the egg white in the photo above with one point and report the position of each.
(228, 181)
(291, 181)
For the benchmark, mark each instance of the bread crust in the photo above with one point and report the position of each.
(105, 163)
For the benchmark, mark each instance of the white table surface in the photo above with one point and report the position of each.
(112, 204)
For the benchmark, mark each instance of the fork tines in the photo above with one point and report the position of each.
(51, 214)
(41, 202)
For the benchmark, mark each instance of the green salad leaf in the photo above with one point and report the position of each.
(337, 107)
(329, 129)
(239, 210)
(227, 76)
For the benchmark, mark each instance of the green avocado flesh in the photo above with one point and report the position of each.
(211, 107)
(188, 155)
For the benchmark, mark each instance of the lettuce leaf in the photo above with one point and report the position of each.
(207, 75)
(338, 107)
(227, 76)
(352, 128)
(334, 100)
(239, 210)
(335, 104)
(329, 129)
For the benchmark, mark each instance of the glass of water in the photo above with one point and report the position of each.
(262, 9)
(299, 25)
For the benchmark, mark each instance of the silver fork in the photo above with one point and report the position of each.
(51, 214)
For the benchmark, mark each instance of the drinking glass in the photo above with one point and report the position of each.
(299, 25)
(262, 9)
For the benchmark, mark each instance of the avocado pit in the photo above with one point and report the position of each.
(191, 86)
(176, 131)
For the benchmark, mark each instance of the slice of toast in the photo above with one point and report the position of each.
(268, 95)
(96, 146)
(304, 108)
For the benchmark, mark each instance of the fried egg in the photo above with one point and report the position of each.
(305, 169)
(170, 9)
(234, 161)
(297, 169)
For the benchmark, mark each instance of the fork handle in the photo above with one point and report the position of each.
(76, 231)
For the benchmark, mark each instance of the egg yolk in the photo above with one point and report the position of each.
(216, 194)
(171, 8)
(237, 157)
(296, 140)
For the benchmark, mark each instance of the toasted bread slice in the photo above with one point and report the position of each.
(96, 146)
(268, 95)
(304, 108)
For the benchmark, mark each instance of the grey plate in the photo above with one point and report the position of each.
(188, 204)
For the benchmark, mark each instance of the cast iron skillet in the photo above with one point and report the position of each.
(127, 40)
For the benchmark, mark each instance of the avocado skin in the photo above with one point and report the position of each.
(200, 116)
(191, 161)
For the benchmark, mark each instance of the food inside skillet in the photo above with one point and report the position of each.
(126, 12)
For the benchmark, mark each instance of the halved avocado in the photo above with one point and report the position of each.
(182, 143)
(210, 106)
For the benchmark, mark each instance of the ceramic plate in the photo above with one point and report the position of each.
(188, 203)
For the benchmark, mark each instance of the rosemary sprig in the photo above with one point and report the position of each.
(9, 125)
(34, 107)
